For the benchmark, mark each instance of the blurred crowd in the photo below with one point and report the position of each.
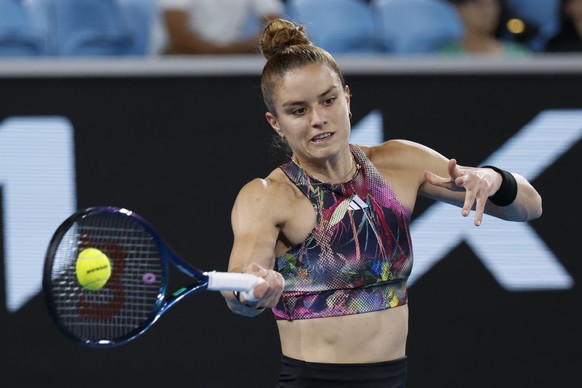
(44, 28)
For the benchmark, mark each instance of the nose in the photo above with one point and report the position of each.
(318, 117)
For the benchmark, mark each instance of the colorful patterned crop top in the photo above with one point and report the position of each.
(358, 257)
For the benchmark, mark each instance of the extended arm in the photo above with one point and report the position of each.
(255, 223)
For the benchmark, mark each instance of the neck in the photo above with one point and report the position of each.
(476, 43)
(331, 177)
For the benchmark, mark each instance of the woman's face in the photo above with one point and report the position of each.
(573, 9)
(312, 111)
(481, 16)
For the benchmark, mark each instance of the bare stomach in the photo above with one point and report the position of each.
(362, 338)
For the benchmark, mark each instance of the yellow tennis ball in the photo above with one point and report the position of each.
(93, 269)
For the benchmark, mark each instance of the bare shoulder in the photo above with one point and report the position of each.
(267, 197)
(403, 164)
(401, 154)
(274, 210)
(276, 186)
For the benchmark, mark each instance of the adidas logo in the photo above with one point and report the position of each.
(357, 203)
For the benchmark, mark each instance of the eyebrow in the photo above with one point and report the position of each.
(291, 103)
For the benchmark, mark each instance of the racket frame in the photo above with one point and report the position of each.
(218, 281)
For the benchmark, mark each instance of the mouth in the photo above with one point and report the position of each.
(321, 137)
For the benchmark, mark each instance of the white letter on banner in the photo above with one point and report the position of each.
(512, 251)
(37, 177)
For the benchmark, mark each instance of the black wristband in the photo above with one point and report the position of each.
(508, 189)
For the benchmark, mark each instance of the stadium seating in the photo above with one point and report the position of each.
(31, 28)
(407, 27)
(18, 35)
(90, 28)
(139, 16)
(339, 26)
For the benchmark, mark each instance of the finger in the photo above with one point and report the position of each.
(479, 211)
(279, 284)
(453, 168)
(480, 204)
(469, 201)
(461, 181)
(263, 272)
(437, 180)
(256, 293)
(256, 270)
(272, 294)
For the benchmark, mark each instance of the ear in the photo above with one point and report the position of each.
(274, 123)
(348, 95)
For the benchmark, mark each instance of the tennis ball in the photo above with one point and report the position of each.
(93, 269)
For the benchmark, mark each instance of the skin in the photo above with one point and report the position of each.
(480, 18)
(573, 9)
(271, 215)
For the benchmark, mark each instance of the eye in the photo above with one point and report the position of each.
(329, 101)
(298, 111)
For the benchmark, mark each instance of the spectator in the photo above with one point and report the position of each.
(214, 26)
(569, 38)
(481, 20)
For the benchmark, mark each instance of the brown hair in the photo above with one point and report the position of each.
(287, 47)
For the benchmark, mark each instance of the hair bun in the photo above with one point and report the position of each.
(280, 34)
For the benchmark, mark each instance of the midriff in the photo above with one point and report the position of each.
(361, 338)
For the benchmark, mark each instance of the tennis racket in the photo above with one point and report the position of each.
(136, 292)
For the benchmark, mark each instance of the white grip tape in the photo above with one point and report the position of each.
(231, 281)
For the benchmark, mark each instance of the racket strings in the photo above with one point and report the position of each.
(131, 296)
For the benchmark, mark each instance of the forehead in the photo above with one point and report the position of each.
(307, 82)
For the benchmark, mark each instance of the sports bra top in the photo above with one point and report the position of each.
(358, 257)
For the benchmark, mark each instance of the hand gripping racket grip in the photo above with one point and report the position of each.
(230, 281)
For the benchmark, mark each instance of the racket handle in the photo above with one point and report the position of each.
(231, 281)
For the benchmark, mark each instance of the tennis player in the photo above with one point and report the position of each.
(329, 230)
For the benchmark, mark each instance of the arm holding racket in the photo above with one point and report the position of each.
(255, 227)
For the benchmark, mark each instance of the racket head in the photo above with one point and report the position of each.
(133, 297)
